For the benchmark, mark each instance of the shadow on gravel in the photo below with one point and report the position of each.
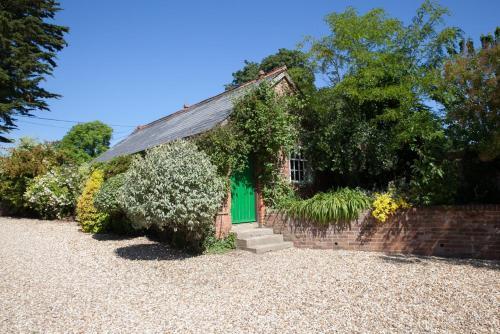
(112, 236)
(150, 252)
(425, 260)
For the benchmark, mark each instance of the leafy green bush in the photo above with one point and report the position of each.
(214, 245)
(277, 190)
(19, 166)
(338, 207)
(433, 182)
(90, 218)
(174, 187)
(117, 166)
(53, 195)
(226, 148)
(108, 200)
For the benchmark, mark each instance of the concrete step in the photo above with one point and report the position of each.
(244, 227)
(269, 248)
(257, 239)
(268, 239)
(252, 233)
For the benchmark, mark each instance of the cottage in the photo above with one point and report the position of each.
(244, 204)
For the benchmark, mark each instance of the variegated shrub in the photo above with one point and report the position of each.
(173, 186)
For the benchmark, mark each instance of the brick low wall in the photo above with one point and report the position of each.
(461, 231)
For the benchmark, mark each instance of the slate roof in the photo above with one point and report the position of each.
(188, 121)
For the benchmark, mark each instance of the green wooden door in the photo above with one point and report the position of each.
(243, 197)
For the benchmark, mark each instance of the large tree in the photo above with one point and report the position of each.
(471, 97)
(297, 62)
(86, 141)
(372, 123)
(28, 47)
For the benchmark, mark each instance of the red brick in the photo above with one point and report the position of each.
(471, 231)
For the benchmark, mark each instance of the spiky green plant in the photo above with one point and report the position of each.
(337, 207)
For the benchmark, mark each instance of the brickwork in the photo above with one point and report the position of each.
(223, 219)
(460, 231)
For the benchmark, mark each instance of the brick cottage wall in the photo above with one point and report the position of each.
(460, 231)
(223, 219)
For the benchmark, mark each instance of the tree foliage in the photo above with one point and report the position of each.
(471, 97)
(86, 141)
(28, 47)
(297, 62)
(372, 123)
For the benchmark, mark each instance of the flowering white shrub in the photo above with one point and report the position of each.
(53, 195)
(174, 186)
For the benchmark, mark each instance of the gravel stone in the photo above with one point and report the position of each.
(56, 279)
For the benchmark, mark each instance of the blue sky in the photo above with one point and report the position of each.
(131, 62)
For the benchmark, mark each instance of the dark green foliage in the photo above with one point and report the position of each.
(226, 148)
(372, 125)
(249, 72)
(263, 128)
(120, 224)
(471, 96)
(206, 243)
(86, 141)
(108, 200)
(117, 166)
(22, 164)
(275, 188)
(28, 47)
(477, 180)
(268, 123)
(433, 183)
(345, 142)
(213, 245)
(471, 99)
(297, 62)
(339, 207)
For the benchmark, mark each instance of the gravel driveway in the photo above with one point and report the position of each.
(55, 279)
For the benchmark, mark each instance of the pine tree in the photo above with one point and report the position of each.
(28, 47)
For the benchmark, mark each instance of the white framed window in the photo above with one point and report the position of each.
(298, 167)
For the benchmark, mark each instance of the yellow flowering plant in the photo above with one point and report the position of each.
(386, 204)
(90, 218)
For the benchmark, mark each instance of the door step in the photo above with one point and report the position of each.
(269, 248)
(258, 240)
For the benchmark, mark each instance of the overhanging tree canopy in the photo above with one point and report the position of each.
(28, 47)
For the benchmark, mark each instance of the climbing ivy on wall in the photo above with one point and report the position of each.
(264, 128)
